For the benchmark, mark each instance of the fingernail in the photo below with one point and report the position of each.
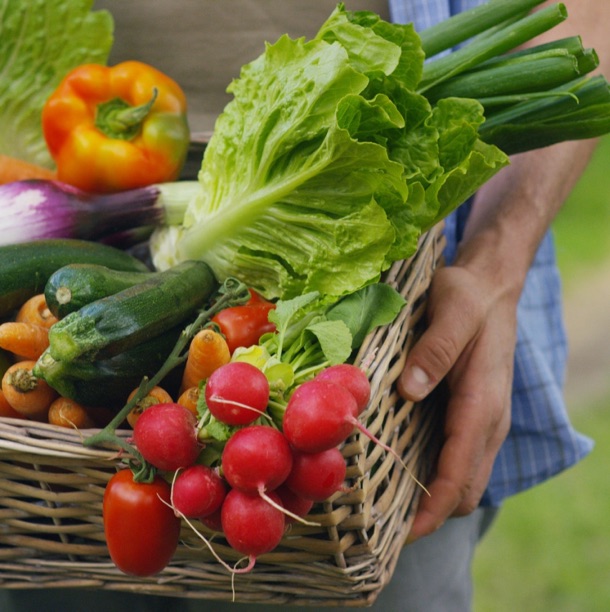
(415, 382)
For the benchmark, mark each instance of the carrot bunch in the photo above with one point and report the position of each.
(24, 339)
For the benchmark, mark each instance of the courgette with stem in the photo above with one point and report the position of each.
(114, 324)
(76, 285)
(26, 267)
(107, 382)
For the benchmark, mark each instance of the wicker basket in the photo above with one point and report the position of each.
(51, 490)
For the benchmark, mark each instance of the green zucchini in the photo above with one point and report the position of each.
(75, 285)
(113, 324)
(108, 382)
(26, 267)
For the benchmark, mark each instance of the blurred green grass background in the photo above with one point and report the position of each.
(550, 547)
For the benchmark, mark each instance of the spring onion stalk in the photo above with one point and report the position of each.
(584, 113)
(487, 47)
(37, 209)
(529, 74)
(463, 26)
(532, 97)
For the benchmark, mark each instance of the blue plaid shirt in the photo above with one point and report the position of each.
(541, 441)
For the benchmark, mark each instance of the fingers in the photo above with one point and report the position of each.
(473, 437)
(470, 344)
(451, 328)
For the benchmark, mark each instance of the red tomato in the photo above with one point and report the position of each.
(141, 531)
(244, 325)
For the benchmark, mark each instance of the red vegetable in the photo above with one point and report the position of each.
(251, 525)
(319, 416)
(142, 532)
(198, 491)
(316, 476)
(244, 325)
(166, 436)
(352, 378)
(237, 393)
(256, 459)
(293, 503)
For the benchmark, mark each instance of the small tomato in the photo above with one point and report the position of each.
(142, 531)
(244, 325)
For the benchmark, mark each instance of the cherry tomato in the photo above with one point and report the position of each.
(244, 325)
(141, 531)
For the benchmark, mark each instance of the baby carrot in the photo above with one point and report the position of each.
(189, 399)
(24, 340)
(14, 169)
(157, 395)
(65, 412)
(6, 410)
(25, 393)
(207, 352)
(36, 311)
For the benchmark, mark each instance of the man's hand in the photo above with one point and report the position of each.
(470, 342)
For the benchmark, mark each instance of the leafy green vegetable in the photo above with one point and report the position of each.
(312, 334)
(362, 311)
(327, 165)
(40, 41)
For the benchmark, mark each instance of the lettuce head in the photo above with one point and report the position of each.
(327, 165)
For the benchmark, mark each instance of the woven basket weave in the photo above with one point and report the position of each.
(51, 489)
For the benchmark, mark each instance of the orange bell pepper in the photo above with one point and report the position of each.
(116, 128)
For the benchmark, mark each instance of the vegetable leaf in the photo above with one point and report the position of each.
(364, 310)
(327, 165)
(40, 41)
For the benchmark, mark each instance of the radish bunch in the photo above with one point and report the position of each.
(266, 476)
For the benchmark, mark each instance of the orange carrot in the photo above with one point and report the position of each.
(14, 169)
(207, 352)
(24, 340)
(65, 412)
(157, 395)
(25, 393)
(36, 311)
(6, 410)
(189, 399)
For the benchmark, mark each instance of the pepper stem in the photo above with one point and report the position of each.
(117, 119)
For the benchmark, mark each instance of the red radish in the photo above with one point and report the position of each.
(316, 476)
(353, 379)
(256, 459)
(198, 491)
(293, 503)
(166, 436)
(237, 393)
(251, 525)
(319, 416)
(212, 521)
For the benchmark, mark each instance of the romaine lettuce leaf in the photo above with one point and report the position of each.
(40, 41)
(327, 165)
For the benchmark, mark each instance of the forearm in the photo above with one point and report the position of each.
(513, 211)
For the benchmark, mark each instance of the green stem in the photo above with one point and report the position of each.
(455, 30)
(117, 119)
(487, 47)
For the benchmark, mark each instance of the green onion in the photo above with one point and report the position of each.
(532, 97)
(486, 47)
(459, 28)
